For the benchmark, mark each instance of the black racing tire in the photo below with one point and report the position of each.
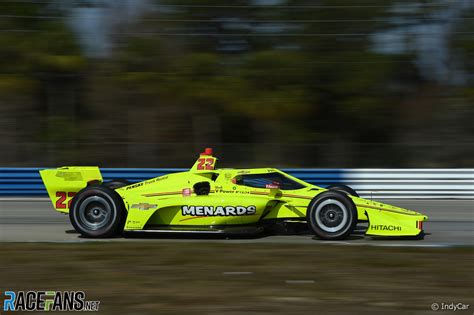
(97, 212)
(331, 215)
(345, 189)
(116, 183)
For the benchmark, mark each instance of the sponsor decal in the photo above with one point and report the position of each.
(219, 189)
(148, 182)
(273, 185)
(63, 301)
(381, 227)
(143, 206)
(235, 191)
(212, 211)
(133, 224)
(134, 186)
(154, 180)
(69, 176)
(243, 172)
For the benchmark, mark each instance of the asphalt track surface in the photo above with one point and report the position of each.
(451, 223)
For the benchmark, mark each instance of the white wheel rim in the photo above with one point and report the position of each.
(80, 219)
(326, 209)
(95, 217)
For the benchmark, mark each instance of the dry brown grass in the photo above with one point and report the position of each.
(188, 278)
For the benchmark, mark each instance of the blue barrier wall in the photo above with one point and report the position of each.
(27, 181)
(380, 183)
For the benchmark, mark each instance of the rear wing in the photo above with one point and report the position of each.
(205, 162)
(63, 183)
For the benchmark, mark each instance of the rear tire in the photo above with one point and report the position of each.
(97, 211)
(117, 183)
(331, 215)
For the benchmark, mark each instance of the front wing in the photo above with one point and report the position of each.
(391, 223)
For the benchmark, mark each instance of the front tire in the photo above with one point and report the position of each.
(343, 188)
(331, 215)
(97, 211)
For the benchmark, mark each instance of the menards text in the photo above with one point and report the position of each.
(218, 210)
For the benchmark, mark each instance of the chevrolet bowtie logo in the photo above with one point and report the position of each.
(143, 206)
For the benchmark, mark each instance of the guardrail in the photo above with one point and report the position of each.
(369, 183)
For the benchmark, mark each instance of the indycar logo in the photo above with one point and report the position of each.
(381, 227)
(218, 211)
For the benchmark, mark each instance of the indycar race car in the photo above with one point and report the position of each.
(209, 200)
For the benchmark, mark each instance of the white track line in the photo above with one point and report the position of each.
(237, 273)
(299, 281)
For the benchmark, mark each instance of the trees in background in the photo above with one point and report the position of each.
(299, 83)
(41, 69)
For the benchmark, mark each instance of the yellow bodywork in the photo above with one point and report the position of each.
(63, 183)
(163, 201)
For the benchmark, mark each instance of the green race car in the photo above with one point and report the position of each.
(209, 200)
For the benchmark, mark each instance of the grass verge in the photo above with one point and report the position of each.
(211, 278)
